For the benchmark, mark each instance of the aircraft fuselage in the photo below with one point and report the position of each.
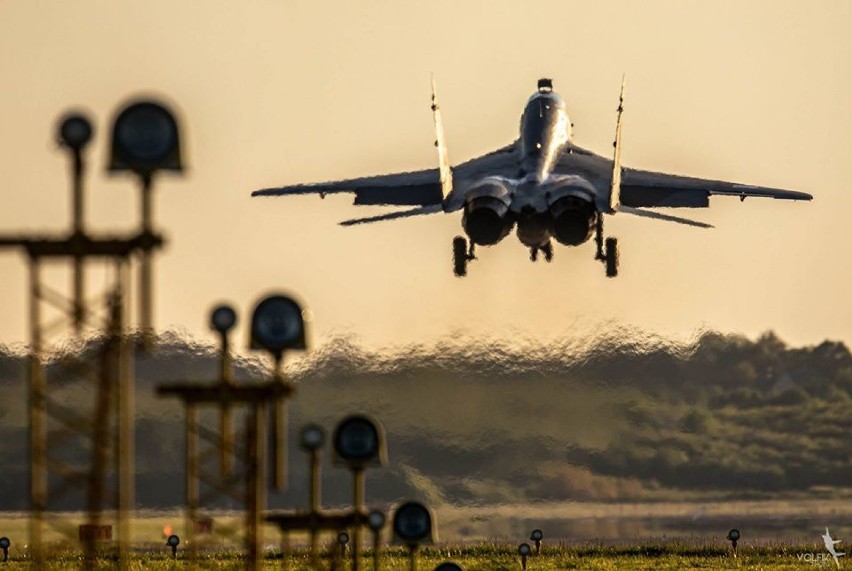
(538, 204)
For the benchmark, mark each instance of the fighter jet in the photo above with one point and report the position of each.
(542, 185)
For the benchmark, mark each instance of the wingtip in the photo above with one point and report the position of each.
(266, 192)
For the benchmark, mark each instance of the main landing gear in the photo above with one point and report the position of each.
(607, 250)
(461, 256)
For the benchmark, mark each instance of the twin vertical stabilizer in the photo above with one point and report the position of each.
(615, 189)
(440, 143)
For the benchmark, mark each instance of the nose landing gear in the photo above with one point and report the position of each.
(606, 250)
(461, 256)
(547, 250)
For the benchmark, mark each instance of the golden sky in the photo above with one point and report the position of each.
(280, 92)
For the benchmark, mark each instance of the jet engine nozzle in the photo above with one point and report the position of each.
(485, 220)
(572, 220)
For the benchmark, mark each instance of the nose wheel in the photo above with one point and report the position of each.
(547, 250)
(461, 256)
(607, 250)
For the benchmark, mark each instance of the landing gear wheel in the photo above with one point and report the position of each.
(460, 256)
(547, 250)
(611, 257)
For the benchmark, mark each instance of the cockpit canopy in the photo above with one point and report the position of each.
(543, 117)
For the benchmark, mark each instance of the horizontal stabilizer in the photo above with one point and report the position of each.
(430, 209)
(661, 216)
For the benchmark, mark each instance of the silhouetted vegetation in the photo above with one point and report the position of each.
(626, 416)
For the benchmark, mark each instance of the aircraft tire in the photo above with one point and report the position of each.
(459, 256)
(611, 256)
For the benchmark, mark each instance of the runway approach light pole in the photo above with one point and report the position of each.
(733, 537)
(537, 535)
(223, 318)
(276, 325)
(75, 132)
(412, 526)
(145, 140)
(311, 440)
(103, 420)
(342, 540)
(359, 442)
(5, 544)
(173, 541)
(376, 522)
(524, 551)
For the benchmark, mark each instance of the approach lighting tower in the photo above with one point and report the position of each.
(145, 140)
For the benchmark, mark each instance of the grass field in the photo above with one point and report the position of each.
(684, 550)
(493, 557)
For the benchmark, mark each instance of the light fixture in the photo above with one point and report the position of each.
(173, 541)
(524, 551)
(311, 437)
(75, 131)
(277, 324)
(537, 535)
(223, 318)
(734, 535)
(145, 139)
(376, 520)
(359, 442)
(412, 524)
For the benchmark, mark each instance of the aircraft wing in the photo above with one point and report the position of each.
(646, 188)
(640, 188)
(417, 188)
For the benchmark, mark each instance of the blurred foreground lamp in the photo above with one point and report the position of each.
(359, 442)
(412, 524)
(524, 551)
(733, 537)
(4, 545)
(277, 324)
(342, 540)
(173, 541)
(75, 131)
(145, 139)
(537, 535)
(311, 437)
(376, 521)
(223, 318)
